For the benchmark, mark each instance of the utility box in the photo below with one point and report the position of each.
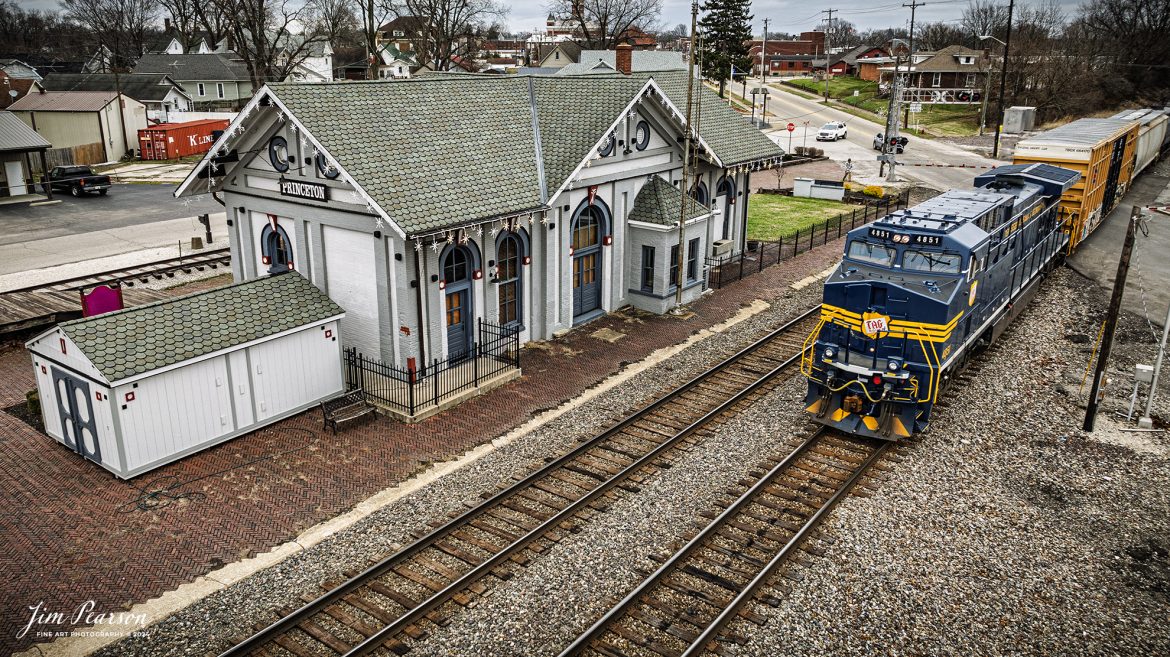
(833, 190)
(1143, 373)
(1018, 120)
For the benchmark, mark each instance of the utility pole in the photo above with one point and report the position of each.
(986, 92)
(828, 32)
(914, 5)
(1111, 318)
(890, 148)
(1007, 43)
(684, 185)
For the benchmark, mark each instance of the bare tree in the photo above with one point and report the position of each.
(266, 35)
(184, 20)
(1131, 35)
(31, 31)
(122, 26)
(985, 17)
(451, 28)
(601, 22)
(336, 21)
(841, 34)
(373, 14)
(936, 36)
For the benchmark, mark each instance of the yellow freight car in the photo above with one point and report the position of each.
(1102, 150)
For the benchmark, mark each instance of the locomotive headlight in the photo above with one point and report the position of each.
(893, 366)
(830, 352)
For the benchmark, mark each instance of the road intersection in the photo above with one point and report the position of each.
(929, 162)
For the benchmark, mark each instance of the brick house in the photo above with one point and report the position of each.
(788, 56)
(953, 75)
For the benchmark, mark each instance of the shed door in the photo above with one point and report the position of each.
(78, 426)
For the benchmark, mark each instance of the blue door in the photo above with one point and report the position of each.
(587, 262)
(78, 427)
(457, 266)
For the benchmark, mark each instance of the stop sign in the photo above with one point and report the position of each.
(791, 127)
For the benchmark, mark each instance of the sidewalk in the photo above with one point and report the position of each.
(74, 533)
(55, 258)
(150, 172)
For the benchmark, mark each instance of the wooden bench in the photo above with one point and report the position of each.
(345, 408)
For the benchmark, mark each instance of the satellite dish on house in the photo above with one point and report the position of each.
(13, 92)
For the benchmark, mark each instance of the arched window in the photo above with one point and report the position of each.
(455, 266)
(509, 258)
(699, 193)
(587, 229)
(276, 249)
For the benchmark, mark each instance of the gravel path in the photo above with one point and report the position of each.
(1006, 530)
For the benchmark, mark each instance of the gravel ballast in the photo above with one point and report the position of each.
(1004, 530)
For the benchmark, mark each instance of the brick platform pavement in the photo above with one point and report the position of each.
(71, 532)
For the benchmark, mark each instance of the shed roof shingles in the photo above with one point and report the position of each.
(130, 342)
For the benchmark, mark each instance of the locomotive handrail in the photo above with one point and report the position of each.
(807, 354)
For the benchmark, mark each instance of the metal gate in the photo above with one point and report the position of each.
(78, 427)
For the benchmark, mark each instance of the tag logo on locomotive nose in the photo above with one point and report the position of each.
(874, 323)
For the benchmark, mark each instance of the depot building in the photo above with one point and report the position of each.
(425, 206)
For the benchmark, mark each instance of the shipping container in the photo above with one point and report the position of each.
(1151, 136)
(168, 141)
(1102, 151)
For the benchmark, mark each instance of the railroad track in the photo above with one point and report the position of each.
(399, 598)
(128, 276)
(683, 608)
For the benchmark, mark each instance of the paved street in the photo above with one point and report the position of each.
(125, 205)
(785, 107)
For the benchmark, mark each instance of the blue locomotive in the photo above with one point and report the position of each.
(920, 289)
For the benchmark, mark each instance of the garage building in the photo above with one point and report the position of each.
(135, 389)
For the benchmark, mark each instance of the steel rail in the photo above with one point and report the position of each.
(164, 265)
(440, 597)
(340, 591)
(699, 645)
(600, 627)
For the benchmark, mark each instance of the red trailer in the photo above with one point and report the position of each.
(167, 141)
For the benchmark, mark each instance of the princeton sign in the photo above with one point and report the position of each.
(311, 191)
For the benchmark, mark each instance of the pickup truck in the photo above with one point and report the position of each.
(77, 180)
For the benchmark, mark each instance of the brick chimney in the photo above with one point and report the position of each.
(624, 58)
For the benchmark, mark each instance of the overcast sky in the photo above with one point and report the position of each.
(791, 16)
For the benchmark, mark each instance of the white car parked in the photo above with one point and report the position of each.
(832, 132)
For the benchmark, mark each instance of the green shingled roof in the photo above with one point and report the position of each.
(659, 202)
(129, 342)
(447, 150)
(728, 133)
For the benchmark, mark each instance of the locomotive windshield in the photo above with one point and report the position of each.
(877, 254)
(940, 263)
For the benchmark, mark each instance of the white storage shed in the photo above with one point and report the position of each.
(139, 388)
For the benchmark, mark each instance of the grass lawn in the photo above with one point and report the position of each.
(948, 120)
(772, 216)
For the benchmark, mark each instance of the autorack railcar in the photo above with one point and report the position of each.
(920, 289)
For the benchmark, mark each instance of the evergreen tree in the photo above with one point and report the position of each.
(726, 26)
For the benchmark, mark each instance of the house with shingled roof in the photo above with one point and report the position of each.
(954, 75)
(534, 203)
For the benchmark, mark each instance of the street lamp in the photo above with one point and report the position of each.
(1003, 78)
(986, 87)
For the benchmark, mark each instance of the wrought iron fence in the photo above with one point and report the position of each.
(735, 266)
(406, 389)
